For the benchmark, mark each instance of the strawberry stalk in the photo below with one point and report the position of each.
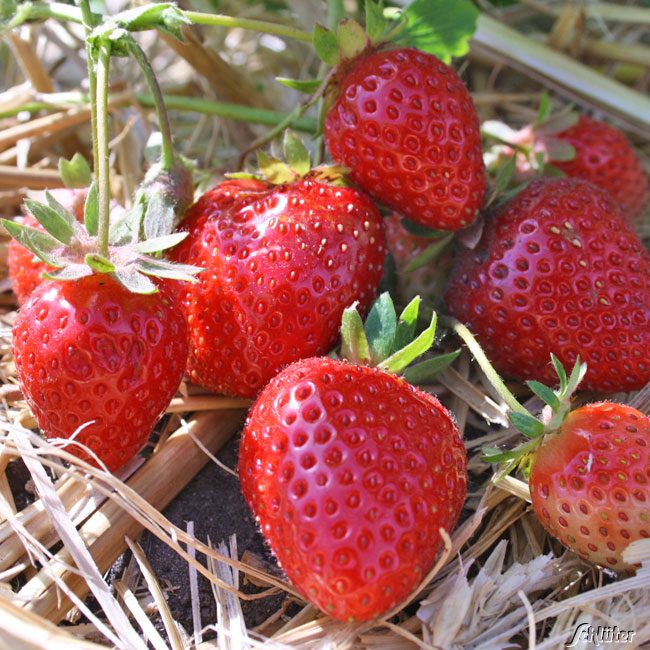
(103, 180)
(89, 23)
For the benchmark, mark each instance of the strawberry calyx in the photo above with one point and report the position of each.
(392, 343)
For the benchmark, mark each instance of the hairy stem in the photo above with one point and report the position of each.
(167, 158)
(496, 381)
(89, 23)
(103, 179)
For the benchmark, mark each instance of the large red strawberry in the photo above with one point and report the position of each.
(351, 472)
(405, 125)
(281, 263)
(24, 269)
(99, 362)
(558, 269)
(605, 157)
(590, 482)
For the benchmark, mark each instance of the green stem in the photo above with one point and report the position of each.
(42, 11)
(103, 179)
(167, 158)
(89, 23)
(468, 338)
(219, 20)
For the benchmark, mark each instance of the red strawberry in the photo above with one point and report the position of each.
(605, 158)
(590, 482)
(405, 125)
(426, 281)
(282, 262)
(351, 472)
(558, 270)
(24, 269)
(89, 351)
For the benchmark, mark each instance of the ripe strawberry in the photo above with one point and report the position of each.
(605, 158)
(351, 472)
(282, 262)
(590, 482)
(558, 270)
(24, 269)
(90, 351)
(428, 280)
(405, 125)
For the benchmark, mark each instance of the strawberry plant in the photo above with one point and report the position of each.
(351, 471)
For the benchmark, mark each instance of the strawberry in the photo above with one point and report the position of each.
(405, 125)
(24, 269)
(558, 269)
(426, 281)
(282, 262)
(94, 358)
(590, 482)
(605, 157)
(351, 472)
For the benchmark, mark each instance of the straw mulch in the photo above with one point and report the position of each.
(500, 582)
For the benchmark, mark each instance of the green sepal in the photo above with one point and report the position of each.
(161, 243)
(376, 23)
(326, 45)
(546, 394)
(307, 86)
(75, 172)
(430, 253)
(558, 150)
(99, 263)
(274, 170)
(69, 272)
(352, 38)
(561, 373)
(544, 109)
(91, 210)
(380, 327)
(419, 230)
(559, 122)
(127, 229)
(159, 216)
(578, 373)
(354, 344)
(242, 176)
(164, 269)
(505, 174)
(399, 360)
(296, 153)
(38, 242)
(131, 278)
(425, 371)
(58, 223)
(407, 323)
(528, 425)
(78, 231)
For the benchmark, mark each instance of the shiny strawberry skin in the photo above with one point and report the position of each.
(429, 280)
(24, 269)
(282, 263)
(89, 350)
(605, 158)
(350, 473)
(405, 125)
(558, 269)
(590, 482)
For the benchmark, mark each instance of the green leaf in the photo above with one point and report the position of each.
(375, 22)
(130, 278)
(296, 154)
(91, 210)
(561, 373)
(69, 272)
(531, 427)
(352, 38)
(161, 243)
(406, 324)
(544, 109)
(307, 86)
(422, 231)
(54, 222)
(354, 344)
(164, 269)
(404, 357)
(430, 253)
(381, 325)
(75, 172)
(440, 27)
(38, 242)
(546, 394)
(425, 371)
(99, 263)
(326, 45)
